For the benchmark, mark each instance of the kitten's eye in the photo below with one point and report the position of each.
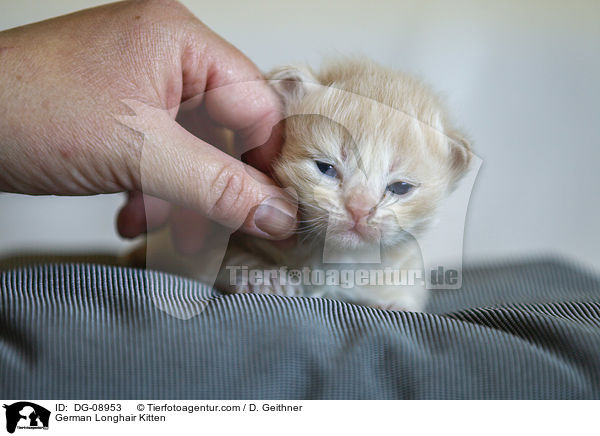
(327, 169)
(400, 188)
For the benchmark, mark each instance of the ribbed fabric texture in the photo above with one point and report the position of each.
(83, 331)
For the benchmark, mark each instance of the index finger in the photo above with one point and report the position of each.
(235, 96)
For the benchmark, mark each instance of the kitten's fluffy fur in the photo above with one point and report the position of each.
(375, 127)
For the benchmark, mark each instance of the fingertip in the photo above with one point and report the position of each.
(141, 214)
(131, 220)
(157, 212)
(274, 218)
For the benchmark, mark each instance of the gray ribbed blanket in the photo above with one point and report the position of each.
(518, 330)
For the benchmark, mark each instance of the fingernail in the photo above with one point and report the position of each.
(276, 217)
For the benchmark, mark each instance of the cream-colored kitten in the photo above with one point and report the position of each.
(369, 154)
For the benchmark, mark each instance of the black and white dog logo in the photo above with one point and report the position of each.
(26, 415)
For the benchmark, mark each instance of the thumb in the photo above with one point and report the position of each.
(178, 167)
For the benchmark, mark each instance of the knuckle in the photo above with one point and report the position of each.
(157, 25)
(231, 195)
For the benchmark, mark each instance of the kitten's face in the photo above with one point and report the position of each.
(365, 173)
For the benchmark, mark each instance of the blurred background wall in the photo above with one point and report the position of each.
(521, 77)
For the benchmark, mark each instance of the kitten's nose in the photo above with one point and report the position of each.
(358, 208)
(357, 214)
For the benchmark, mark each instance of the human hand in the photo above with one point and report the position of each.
(65, 82)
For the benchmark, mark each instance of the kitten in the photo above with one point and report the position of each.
(370, 154)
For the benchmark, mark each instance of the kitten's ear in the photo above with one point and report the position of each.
(460, 155)
(291, 82)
